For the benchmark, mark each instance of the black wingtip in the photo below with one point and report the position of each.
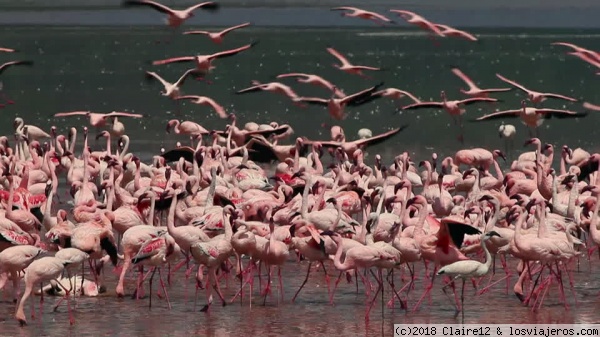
(403, 127)
(254, 43)
(212, 6)
(110, 249)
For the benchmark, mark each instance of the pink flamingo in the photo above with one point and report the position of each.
(186, 128)
(217, 37)
(8, 50)
(98, 119)
(174, 17)
(354, 12)
(203, 100)
(451, 107)
(347, 66)
(14, 260)
(271, 86)
(451, 31)
(590, 53)
(336, 106)
(535, 97)
(474, 90)
(418, 20)
(532, 117)
(171, 90)
(45, 269)
(155, 252)
(395, 94)
(204, 62)
(315, 80)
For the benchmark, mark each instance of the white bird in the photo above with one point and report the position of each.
(365, 133)
(508, 132)
(469, 268)
(89, 288)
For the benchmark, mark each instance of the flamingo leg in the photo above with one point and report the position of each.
(162, 284)
(427, 290)
(304, 282)
(67, 295)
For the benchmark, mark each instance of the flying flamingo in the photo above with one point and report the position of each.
(7, 50)
(203, 100)
(535, 96)
(217, 37)
(532, 117)
(395, 94)
(315, 80)
(204, 62)
(271, 86)
(469, 268)
(172, 90)
(474, 90)
(451, 31)
(354, 12)
(336, 106)
(452, 107)
(98, 119)
(347, 66)
(6, 66)
(418, 20)
(175, 18)
(590, 53)
(350, 147)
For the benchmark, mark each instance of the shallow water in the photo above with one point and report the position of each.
(311, 314)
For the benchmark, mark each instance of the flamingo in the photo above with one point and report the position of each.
(348, 67)
(593, 54)
(451, 107)
(315, 80)
(336, 106)
(203, 100)
(33, 132)
(451, 31)
(469, 268)
(45, 269)
(186, 128)
(418, 20)
(98, 119)
(175, 18)
(535, 96)
(14, 260)
(350, 147)
(474, 90)
(172, 90)
(271, 86)
(204, 62)
(354, 12)
(395, 94)
(217, 37)
(7, 50)
(532, 117)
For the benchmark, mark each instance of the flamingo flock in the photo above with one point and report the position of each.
(237, 204)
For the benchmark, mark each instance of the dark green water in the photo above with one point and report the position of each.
(102, 69)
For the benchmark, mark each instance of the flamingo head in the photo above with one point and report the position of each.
(567, 151)
(498, 153)
(534, 141)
